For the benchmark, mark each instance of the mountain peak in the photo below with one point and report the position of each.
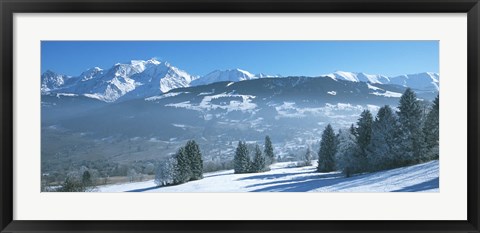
(358, 77)
(93, 70)
(420, 81)
(242, 71)
(154, 61)
(232, 75)
(137, 78)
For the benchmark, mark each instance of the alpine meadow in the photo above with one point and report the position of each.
(187, 116)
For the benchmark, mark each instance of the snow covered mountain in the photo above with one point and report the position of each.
(421, 81)
(358, 77)
(233, 75)
(137, 78)
(52, 81)
(427, 81)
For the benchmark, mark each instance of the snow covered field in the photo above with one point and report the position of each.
(284, 178)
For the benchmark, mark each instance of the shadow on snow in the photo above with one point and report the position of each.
(308, 180)
(308, 183)
(271, 176)
(143, 189)
(431, 184)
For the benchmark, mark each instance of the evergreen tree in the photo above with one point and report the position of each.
(270, 156)
(364, 132)
(241, 160)
(431, 130)
(384, 142)
(72, 184)
(87, 179)
(353, 131)
(328, 148)
(195, 158)
(308, 157)
(258, 164)
(183, 171)
(165, 174)
(347, 156)
(410, 118)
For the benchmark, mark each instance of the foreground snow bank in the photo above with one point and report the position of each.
(285, 178)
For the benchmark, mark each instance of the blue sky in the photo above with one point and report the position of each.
(309, 58)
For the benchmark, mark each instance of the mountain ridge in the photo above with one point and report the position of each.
(145, 78)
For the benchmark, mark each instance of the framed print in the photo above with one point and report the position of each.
(254, 116)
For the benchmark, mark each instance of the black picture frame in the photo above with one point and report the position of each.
(10, 7)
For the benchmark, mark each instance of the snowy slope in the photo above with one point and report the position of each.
(427, 81)
(358, 77)
(282, 178)
(262, 75)
(421, 81)
(233, 75)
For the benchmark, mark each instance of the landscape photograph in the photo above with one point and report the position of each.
(240, 116)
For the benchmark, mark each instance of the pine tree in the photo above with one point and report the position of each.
(241, 160)
(72, 185)
(431, 130)
(410, 118)
(270, 156)
(166, 174)
(347, 156)
(383, 145)
(183, 171)
(364, 131)
(328, 148)
(353, 131)
(308, 157)
(195, 157)
(87, 179)
(258, 164)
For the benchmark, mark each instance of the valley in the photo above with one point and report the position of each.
(124, 121)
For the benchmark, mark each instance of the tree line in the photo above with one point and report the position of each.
(187, 164)
(242, 163)
(393, 139)
(184, 166)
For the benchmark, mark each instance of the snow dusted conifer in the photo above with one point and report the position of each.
(183, 172)
(72, 184)
(258, 164)
(87, 179)
(308, 157)
(241, 160)
(347, 156)
(270, 156)
(352, 129)
(166, 174)
(383, 145)
(328, 148)
(364, 131)
(195, 157)
(410, 117)
(431, 130)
